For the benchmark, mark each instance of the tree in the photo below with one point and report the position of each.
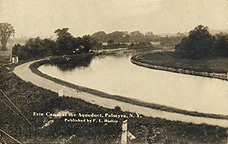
(116, 36)
(86, 43)
(137, 36)
(101, 36)
(68, 44)
(126, 38)
(50, 46)
(198, 44)
(65, 42)
(22, 52)
(95, 43)
(221, 45)
(34, 48)
(6, 32)
(110, 42)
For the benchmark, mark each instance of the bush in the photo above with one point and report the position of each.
(198, 44)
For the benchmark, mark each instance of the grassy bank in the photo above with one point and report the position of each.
(30, 98)
(169, 59)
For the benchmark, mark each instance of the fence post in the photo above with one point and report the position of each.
(124, 132)
(12, 59)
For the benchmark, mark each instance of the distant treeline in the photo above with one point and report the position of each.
(66, 44)
(200, 43)
(136, 37)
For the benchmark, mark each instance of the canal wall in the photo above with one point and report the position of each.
(142, 62)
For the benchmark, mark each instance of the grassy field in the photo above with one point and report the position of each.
(169, 59)
(30, 98)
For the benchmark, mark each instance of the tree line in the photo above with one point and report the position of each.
(200, 43)
(65, 44)
(135, 37)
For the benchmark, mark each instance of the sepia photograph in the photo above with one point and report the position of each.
(114, 71)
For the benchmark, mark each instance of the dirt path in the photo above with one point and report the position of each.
(26, 74)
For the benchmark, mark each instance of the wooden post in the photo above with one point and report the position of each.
(124, 133)
(12, 59)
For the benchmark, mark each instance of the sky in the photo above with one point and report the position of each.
(42, 17)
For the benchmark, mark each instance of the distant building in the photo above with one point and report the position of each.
(156, 43)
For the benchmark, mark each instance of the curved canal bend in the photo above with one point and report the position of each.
(116, 75)
(177, 90)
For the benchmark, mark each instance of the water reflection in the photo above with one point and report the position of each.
(69, 64)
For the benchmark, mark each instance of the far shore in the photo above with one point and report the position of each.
(214, 67)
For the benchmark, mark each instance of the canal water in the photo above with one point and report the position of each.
(115, 74)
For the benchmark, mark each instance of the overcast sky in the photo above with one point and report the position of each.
(43, 17)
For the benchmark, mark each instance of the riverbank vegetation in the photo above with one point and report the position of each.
(199, 52)
(170, 60)
(136, 37)
(200, 43)
(29, 98)
(66, 44)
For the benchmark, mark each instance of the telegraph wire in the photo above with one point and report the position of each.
(10, 136)
(17, 108)
(11, 108)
